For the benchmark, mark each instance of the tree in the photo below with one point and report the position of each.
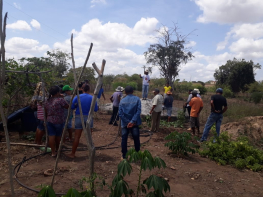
(168, 54)
(237, 74)
(107, 81)
(89, 74)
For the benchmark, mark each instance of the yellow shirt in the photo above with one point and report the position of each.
(166, 89)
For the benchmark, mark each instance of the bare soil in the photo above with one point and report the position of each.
(190, 176)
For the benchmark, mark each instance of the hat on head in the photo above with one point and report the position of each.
(194, 92)
(67, 88)
(197, 90)
(119, 89)
(147, 71)
(219, 90)
(169, 93)
(156, 90)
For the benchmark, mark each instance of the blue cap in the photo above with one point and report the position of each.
(219, 90)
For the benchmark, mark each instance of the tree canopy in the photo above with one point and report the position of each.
(237, 74)
(169, 53)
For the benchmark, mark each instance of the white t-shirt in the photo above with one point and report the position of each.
(158, 101)
(145, 79)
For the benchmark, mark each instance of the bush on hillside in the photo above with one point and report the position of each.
(228, 93)
(256, 97)
(124, 84)
(237, 153)
(202, 89)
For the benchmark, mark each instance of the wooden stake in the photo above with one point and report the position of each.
(4, 120)
(65, 127)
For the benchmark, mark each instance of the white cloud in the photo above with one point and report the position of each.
(230, 11)
(35, 24)
(94, 2)
(111, 42)
(19, 25)
(17, 5)
(190, 44)
(22, 47)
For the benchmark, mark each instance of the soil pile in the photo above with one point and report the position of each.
(249, 126)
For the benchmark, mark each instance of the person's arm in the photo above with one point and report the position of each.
(154, 104)
(136, 115)
(74, 103)
(213, 106)
(149, 78)
(96, 108)
(189, 99)
(152, 109)
(111, 99)
(140, 75)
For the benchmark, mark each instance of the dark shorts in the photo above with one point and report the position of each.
(78, 124)
(40, 125)
(55, 129)
(194, 122)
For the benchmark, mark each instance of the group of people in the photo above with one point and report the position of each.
(126, 107)
(56, 107)
(194, 104)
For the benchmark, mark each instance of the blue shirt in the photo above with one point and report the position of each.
(85, 100)
(100, 93)
(130, 110)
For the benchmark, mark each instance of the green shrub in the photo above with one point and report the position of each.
(202, 89)
(124, 84)
(238, 153)
(228, 93)
(256, 97)
(180, 143)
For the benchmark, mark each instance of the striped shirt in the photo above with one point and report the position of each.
(40, 112)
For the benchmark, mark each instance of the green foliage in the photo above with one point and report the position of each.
(148, 120)
(158, 82)
(31, 136)
(237, 74)
(180, 143)
(159, 185)
(255, 87)
(183, 86)
(47, 191)
(124, 84)
(202, 89)
(228, 93)
(89, 74)
(178, 123)
(256, 97)
(237, 153)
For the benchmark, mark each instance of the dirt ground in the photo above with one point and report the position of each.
(192, 176)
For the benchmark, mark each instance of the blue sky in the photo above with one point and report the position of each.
(122, 30)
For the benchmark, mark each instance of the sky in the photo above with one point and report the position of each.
(122, 31)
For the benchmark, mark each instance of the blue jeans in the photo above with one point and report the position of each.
(145, 89)
(78, 124)
(213, 118)
(55, 129)
(136, 137)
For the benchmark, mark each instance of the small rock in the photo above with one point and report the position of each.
(173, 168)
(193, 178)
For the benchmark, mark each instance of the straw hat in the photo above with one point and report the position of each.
(119, 89)
(197, 90)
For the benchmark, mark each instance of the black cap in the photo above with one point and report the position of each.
(156, 90)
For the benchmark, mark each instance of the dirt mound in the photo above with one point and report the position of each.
(249, 126)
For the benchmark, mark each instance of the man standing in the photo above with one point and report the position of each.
(168, 104)
(129, 112)
(166, 89)
(216, 116)
(186, 105)
(115, 99)
(145, 84)
(156, 110)
(197, 105)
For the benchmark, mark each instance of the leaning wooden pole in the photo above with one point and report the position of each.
(44, 111)
(2, 79)
(88, 130)
(65, 127)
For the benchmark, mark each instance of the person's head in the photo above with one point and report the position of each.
(169, 93)
(86, 88)
(67, 89)
(128, 90)
(86, 81)
(54, 91)
(194, 93)
(167, 84)
(190, 91)
(219, 91)
(146, 72)
(80, 85)
(156, 91)
(119, 89)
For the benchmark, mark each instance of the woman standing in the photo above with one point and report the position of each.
(54, 108)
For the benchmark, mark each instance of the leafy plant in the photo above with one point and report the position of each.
(159, 185)
(148, 120)
(237, 153)
(30, 136)
(256, 97)
(180, 143)
(92, 183)
(47, 191)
